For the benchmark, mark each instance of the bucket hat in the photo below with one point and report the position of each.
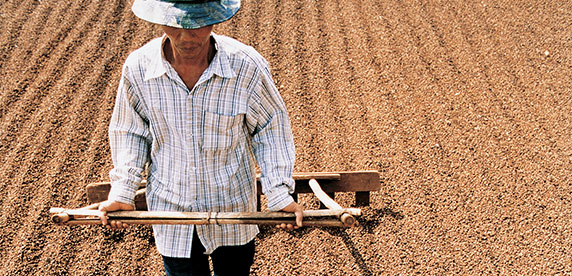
(187, 14)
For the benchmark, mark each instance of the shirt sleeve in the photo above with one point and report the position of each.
(129, 140)
(272, 142)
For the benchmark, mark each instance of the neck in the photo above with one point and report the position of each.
(201, 59)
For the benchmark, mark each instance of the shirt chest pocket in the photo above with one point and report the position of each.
(222, 132)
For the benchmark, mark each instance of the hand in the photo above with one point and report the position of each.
(296, 209)
(110, 206)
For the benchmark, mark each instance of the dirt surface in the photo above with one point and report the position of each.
(464, 107)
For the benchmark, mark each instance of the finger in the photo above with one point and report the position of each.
(124, 225)
(299, 218)
(103, 217)
(299, 215)
(118, 225)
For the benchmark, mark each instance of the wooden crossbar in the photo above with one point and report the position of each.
(360, 182)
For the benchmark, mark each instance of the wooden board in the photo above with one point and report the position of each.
(331, 182)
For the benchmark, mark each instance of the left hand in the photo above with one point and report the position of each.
(297, 209)
(110, 206)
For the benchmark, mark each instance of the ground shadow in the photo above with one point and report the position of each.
(369, 221)
(372, 218)
(356, 254)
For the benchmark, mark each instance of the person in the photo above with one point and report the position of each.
(202, 111)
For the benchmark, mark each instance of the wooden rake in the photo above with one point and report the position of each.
(334, 216)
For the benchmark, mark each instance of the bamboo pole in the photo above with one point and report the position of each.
(202, 215)
(334, 216)
(96, 221)
(311, 217)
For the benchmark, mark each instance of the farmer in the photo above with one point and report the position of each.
(201, 109)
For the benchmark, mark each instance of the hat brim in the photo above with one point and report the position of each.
(185, 15)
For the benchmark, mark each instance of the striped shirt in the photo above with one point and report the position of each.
(203, 144)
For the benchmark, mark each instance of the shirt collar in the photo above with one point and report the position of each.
(156, 67)
(220, 65)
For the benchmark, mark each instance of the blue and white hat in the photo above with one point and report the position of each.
(187, 14)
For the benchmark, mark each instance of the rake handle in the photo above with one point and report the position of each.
(94, 221)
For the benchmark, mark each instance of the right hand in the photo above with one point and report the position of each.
(296, 209)
(110, 206)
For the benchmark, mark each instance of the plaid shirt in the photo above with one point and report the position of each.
(202, 144)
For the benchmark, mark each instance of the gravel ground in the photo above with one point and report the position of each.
(464, 107)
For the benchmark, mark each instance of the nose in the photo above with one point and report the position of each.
(187, 35)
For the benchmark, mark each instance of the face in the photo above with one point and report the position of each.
(188, 43)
